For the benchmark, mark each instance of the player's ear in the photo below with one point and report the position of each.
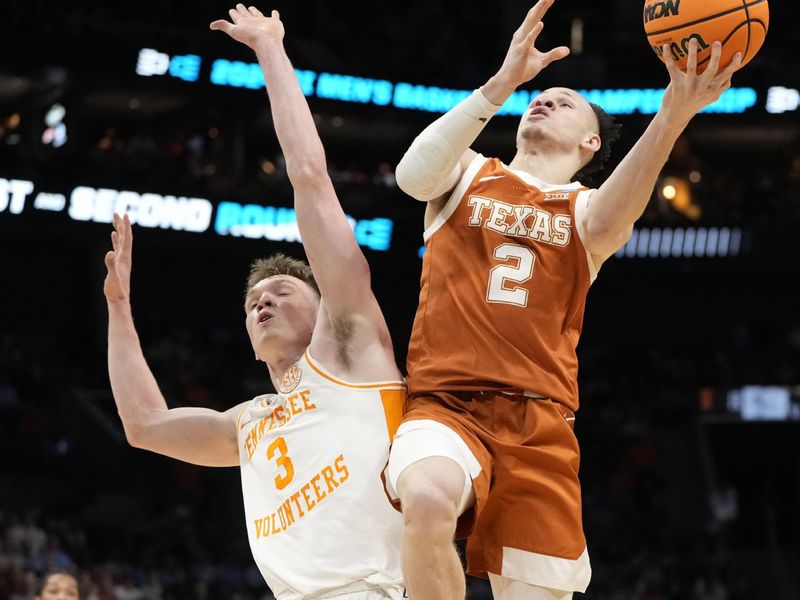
(592, 142)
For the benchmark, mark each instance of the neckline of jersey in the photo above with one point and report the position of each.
(542, 185)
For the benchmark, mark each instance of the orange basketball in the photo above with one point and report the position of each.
(741, 26)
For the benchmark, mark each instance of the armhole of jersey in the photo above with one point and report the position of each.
(239, 418)
(581, 204)
(455, 197)
(377, 385)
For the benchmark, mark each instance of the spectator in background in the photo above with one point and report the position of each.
(58, 586)
(27, 537)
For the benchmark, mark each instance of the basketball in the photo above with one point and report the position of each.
(741, 26)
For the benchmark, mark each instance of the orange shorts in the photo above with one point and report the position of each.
(526, 522)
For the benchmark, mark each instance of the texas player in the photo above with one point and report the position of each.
(487, 447)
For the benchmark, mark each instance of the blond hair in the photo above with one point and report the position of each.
(280, 264)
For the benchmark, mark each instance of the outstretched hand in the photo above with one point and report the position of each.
(117, 286)
(250, 26)
(688, 93)
(524, 61)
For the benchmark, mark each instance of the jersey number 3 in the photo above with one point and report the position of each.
(502, 278)
(279, 446)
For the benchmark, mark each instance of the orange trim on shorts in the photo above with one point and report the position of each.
(364, 386)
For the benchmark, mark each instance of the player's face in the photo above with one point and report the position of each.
(558, 114)
(60, 587)
(280, 310)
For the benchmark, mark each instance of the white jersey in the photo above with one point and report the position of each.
(311, 457)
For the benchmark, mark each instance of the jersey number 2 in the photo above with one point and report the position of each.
(279, 446)
(501, 279)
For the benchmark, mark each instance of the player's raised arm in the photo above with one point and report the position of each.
(621, 200)
(196, 435)
(339, 267)
(433, 164)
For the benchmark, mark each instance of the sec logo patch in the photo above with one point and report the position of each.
(291, 379)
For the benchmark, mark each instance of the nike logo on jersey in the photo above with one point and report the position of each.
(490, 178)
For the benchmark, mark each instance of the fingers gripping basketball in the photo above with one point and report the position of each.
(740, 25)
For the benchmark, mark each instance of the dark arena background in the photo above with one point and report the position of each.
(690, 357)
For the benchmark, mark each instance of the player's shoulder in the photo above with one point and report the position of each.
(235, 413)
(467, 158)
(358, 372)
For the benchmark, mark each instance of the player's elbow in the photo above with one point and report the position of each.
(308, 172)
(409, 181)
(429, 169)
(137, 431)
(134, 434)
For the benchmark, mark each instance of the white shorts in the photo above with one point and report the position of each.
(420, 439)
(377, 593)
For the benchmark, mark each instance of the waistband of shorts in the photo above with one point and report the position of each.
(468, 394)
(354, 588)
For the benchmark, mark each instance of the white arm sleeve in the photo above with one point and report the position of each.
(430, 168)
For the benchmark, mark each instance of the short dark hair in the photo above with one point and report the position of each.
(280, 264)
(609, 133)
(43, 581)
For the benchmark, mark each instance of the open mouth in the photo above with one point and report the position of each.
(264, 318)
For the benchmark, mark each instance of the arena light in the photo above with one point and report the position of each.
(781, 100)
(576, 37)
(683, 242)
(55, 132)
(677, 192)
(763, 403)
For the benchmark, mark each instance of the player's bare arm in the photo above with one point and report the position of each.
(621, 200)
(438, 157)
(195, 435)
(349, 308)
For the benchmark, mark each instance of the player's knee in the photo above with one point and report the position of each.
(427, 509)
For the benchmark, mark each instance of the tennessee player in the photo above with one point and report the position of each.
(487, 449)
(311, 454)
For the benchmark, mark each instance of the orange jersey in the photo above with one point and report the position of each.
(504, 284)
